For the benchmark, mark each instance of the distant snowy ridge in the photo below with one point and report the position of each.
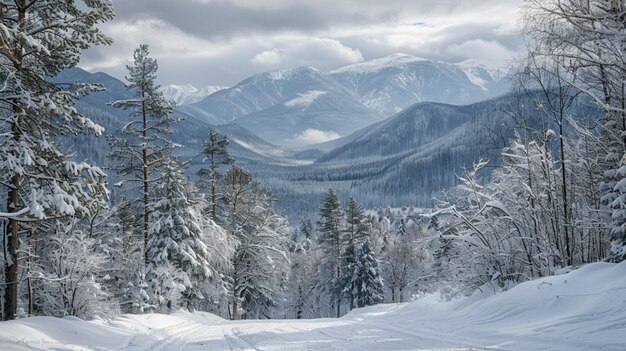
(280, 106)
(375, 65)
(188, 94)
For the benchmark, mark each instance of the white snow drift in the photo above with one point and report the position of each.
(582, 310)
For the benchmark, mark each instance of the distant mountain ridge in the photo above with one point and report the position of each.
(188, 94)
(402, 160)
(304, 106)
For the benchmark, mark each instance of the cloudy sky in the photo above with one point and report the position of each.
(220, 42)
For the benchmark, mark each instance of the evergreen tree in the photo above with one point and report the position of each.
(216, 153)
(178, 251)
(143, 151)
(332, 241)
(356, 220)
(356, 230)
(39, 39)
(366, 281)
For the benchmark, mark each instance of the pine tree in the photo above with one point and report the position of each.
(216, 153)
(332, 241)
(366, 281)
(39, 39)
(178, 251)
(356, 220)
(356, 230)
(143, 151)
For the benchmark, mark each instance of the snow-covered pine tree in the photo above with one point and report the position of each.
(216, 154)
(125, 251)
(357, 226)
(366, 280)
(179, 255)
(356, 230)
(332, 241)
(143, 151)
(39, 39)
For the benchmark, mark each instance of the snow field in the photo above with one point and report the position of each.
(582, 310)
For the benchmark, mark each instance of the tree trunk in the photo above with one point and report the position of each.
(568, 246)
(13, 202)
(146, 217)
(338, 272)
(234, 317)
(12, 244)
(213, 176)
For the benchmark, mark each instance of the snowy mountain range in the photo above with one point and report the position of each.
(304, 106)
(303, 130)
(188, 94)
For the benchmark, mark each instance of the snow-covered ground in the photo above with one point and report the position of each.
(582, 310)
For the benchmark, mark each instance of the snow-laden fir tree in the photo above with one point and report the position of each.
(216, 154)
(124, 248)
(39, 39)
(332, 243)
(366, 281)
(181, 247)
(143, 151)
(356, 231)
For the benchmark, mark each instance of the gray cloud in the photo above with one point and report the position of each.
(221, 42)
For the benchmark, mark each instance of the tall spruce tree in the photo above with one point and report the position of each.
(357, 231)
(366, 281)
(143, 150)
(39, 39)
(179, 255)
(216, 154)
(332, 242)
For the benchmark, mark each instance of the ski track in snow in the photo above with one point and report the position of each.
(583, 310)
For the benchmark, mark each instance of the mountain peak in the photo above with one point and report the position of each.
(287, 73)
(187, 93)
(393, 60)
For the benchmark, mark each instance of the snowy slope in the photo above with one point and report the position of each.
(188, 94)
(580, 311)
(310, 117)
